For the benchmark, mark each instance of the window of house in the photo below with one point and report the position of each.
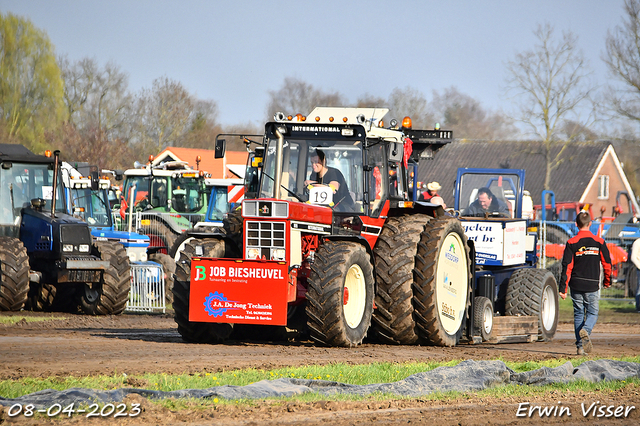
(603, 187)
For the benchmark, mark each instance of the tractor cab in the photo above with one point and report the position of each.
(26, 185)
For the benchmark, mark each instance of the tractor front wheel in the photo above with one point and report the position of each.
(340, 294)
(111, 294)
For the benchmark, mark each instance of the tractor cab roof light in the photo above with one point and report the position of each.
(406, 122)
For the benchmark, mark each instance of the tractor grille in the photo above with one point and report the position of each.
(266, 239)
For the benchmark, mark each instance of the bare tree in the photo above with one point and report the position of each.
(371, 101)
(411, 102)
(298, 97)
(164, 115)
(552, 85)
(466, 117)
(96, 98)
(622, 57)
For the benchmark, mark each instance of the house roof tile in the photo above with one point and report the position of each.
(578, 163)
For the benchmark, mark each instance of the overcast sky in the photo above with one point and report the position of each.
(235, 52)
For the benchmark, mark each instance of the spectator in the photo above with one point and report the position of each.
(435, 198)
(581, 261)
(486, 204)
(635, 259)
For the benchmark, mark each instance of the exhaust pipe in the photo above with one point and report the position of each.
(56, 165)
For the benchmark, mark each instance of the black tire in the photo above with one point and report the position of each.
(331, 321)
(394, 254)
(556, 270)
(52, 298)
(196, 332)
(232, 225)
(483, 317)
(169, 267)
(163, 232)
(178, 245)
(111, 294)
(14, 274)
(534, 292)
(556, 236)
(441, 290)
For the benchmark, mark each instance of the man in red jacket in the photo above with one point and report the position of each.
(581, 261)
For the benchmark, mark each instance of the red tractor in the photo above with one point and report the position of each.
(333, 236)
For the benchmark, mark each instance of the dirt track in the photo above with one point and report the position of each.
(134, 344)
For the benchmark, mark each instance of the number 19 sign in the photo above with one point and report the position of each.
(238, 292)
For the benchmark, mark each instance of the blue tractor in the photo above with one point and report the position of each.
(489, 204)
(88, 198)
(47, 256)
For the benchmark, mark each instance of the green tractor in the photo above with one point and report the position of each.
(167, 199)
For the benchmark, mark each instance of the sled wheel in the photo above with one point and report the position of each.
(340, 294)
(111, 294)
(14, 274)
(441, 287)
(196, 332)
(534, 292)
(169, 268)
(483, 317)
(395, 253)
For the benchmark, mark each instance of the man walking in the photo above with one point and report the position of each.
(634, 257)
(581, 261)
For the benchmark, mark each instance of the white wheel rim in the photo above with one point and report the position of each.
(354, 284)
(487, 319)
(452, 285)
(548, 313)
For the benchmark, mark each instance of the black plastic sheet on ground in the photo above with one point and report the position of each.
(467, 376)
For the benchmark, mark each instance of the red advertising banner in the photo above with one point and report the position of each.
(238, 291)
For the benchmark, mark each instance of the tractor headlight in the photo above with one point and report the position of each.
(278, 254)
(132, 256)
(253, 253)
(84, 248)
(67, 247)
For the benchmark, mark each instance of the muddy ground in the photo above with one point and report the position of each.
(134, 344)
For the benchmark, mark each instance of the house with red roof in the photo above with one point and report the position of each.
(231, 166)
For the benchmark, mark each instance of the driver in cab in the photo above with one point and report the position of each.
(332, 177)
(486, 205)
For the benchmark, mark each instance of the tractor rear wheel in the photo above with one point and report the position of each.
(534, 292)
(160, 231)
(340, 294)
(111, 294)
(441, 287)
(196, 332)
(14, 274)
(169, 268)
(395, 253)
(483, 317)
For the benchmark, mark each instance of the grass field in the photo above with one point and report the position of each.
(611, 311)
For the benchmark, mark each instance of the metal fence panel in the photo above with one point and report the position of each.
(147, 288)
